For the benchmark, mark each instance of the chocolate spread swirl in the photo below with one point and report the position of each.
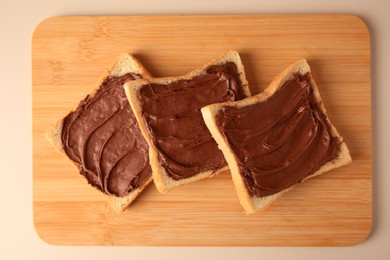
(172, 113)
(103, 138)
(281, 141)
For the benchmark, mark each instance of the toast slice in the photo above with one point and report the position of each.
(168, 112)
(272, 141)
(123, 181)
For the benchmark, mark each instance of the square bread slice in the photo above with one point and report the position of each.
(276, 139)
(102, 144)
(168, 112)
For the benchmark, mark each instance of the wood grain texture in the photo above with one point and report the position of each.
(70, 54)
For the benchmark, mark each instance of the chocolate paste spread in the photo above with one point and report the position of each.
(281, 141)
(103, 138)
(172, 113)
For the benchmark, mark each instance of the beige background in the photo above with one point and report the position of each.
(18, 20)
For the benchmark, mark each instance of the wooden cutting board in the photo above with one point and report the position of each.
(70, 54)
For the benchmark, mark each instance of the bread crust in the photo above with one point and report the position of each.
(162, 180)
(254, 204)
(126, 63)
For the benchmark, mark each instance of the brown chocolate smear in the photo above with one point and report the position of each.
(281, 141)
(103, 138)
(172, 113)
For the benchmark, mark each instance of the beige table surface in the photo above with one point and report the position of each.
(18, 20)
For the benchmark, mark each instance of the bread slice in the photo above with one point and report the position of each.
(253, 204)
(125, 64)
(162, 180)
